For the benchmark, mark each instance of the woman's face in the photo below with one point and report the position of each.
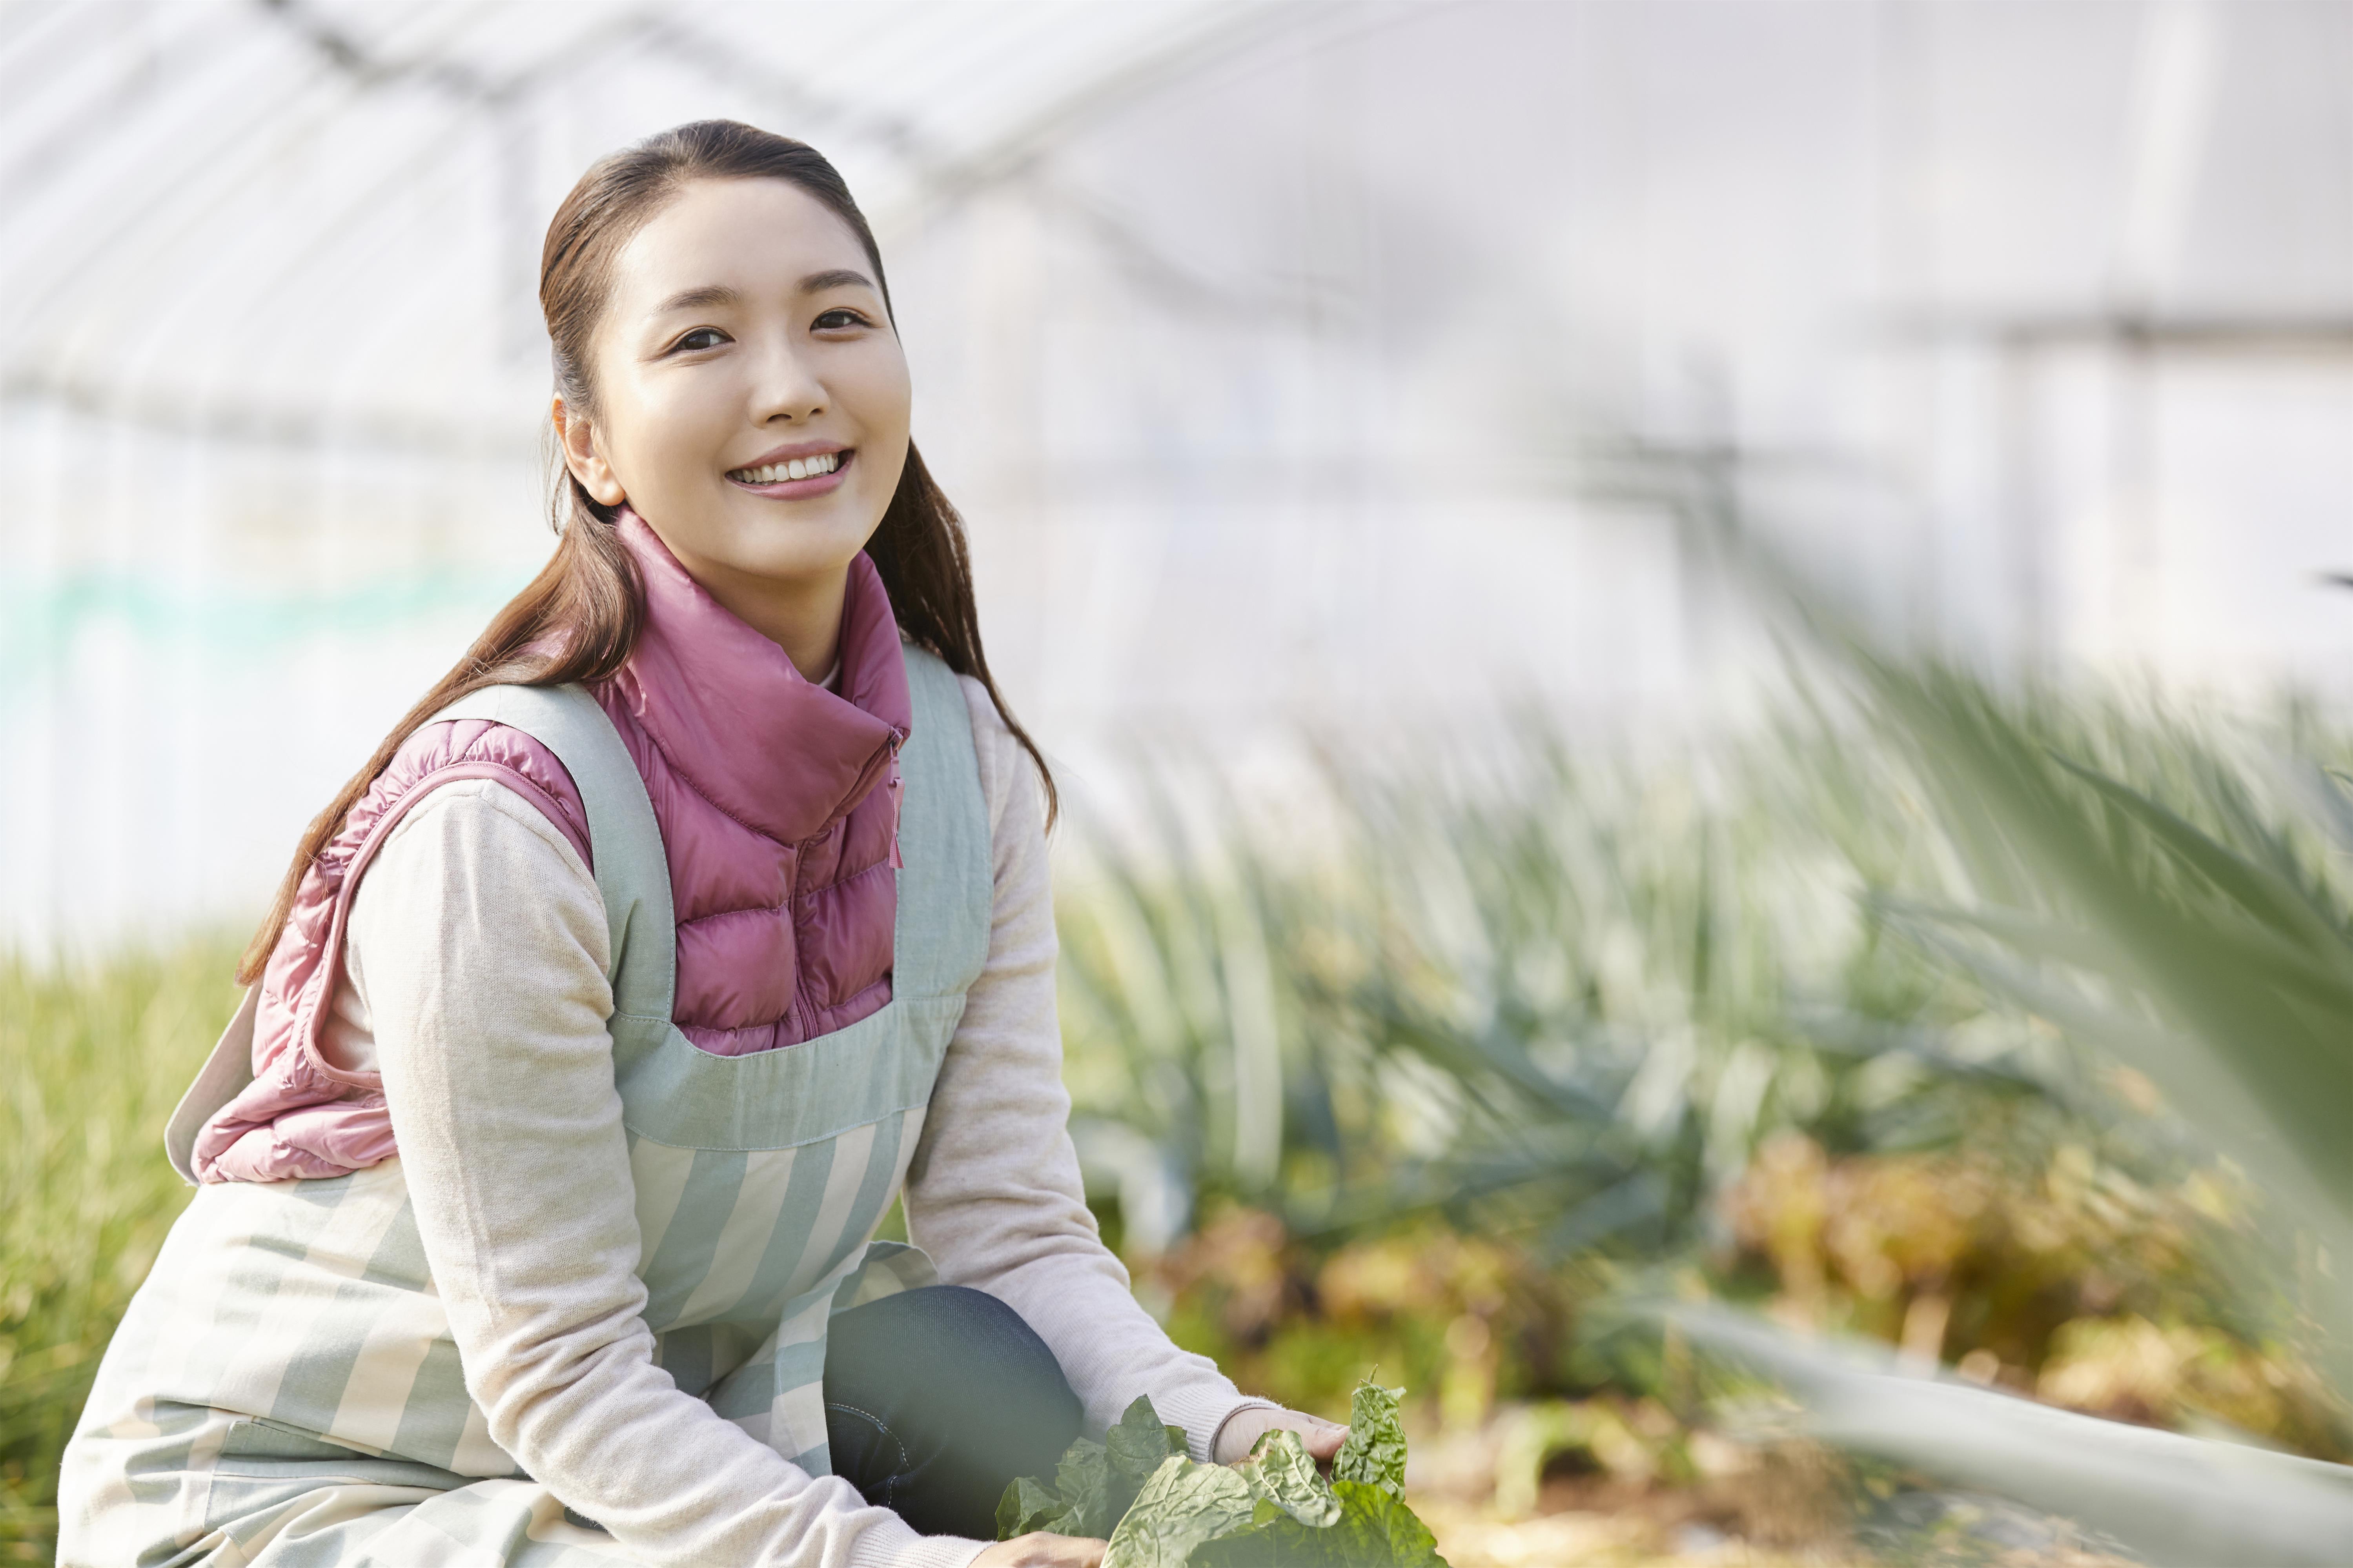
(745, 333)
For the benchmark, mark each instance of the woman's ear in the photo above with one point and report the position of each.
(582, 457)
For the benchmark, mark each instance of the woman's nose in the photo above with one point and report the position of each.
(786, 389)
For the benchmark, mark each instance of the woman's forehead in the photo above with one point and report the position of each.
(759, 237)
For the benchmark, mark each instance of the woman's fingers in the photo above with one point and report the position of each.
(1321, 1439)
(1323, 1442)
(1242, 1430)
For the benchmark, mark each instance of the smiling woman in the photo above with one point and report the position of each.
(696, 916)
(784, 332)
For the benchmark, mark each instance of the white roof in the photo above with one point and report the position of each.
(1249, 337)
(297, 219)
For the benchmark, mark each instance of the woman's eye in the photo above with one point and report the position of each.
(701, 337)
(839, 317)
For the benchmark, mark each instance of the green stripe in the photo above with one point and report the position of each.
(264, 1449)
(434, 1419)
(811, 1167)
(687, 1247)
(154, 1471)
(874, 1193)
(793, 1374)
(399, 1257)
(253, 1276)
(318, 1370)
(249, 1285)
(755, 1389)
(804, 1201)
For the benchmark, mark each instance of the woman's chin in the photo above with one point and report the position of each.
(791, 546)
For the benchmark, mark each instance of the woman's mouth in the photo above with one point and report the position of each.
(796, 477)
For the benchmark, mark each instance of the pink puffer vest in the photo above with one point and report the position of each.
(780, 847)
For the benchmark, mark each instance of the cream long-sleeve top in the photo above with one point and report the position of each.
(474, 980)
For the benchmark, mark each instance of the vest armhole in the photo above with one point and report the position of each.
(310, 1012)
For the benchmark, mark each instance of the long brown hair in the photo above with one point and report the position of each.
(579, 617)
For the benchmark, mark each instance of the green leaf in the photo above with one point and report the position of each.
(1375, 1451)
(1026, 1505)
(1273, 1512)
(1181, 1505)
(1135, 1450)
(1280, 1472)
(1375, 1530)
(1084, 1479)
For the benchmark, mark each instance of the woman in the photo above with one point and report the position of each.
(699, 912)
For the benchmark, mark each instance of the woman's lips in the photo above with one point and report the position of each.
(800, 489)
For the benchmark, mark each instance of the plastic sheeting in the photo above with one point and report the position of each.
(1263, 345)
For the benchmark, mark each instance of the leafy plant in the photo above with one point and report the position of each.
(2195, 931)
(1375, 1451)
(1562, 997)
(1573, 1010)
(91, 1060)
(1161, 1510)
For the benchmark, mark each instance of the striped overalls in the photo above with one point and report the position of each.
(284, 1389)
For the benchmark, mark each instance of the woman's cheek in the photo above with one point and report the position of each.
(693, 424)
(883, 394)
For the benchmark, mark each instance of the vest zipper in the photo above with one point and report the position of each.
(897, 787)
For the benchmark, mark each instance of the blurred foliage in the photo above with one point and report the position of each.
(1544, 1031)
(1568, 998)
(2054, 1283)
(2173, 897)
(92, 1061)
(2188, 922)
(1466, 1319)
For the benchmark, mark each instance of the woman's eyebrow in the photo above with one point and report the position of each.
(706, 295)
(700, 297)
(838, 278)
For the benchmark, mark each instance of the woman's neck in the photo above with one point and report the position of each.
(802, 615)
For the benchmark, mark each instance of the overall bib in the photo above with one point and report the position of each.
(283, 1389)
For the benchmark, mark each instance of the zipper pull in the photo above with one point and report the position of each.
(897, 787)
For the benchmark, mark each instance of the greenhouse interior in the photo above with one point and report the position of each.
(1696, 657)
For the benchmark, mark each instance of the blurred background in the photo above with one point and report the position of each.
(1469, 909)
(1253, 340)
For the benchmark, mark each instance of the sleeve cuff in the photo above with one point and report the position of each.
(893, 1544)
(1202, 1412)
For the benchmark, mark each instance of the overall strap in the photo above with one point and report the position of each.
(949, 886)
(632, 873)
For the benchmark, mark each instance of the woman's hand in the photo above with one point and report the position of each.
(1244, 1427)
(1039, 1550)
(1236, 1439)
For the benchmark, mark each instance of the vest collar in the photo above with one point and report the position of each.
(743, 726)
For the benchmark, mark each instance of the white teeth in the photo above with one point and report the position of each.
(797, 468)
